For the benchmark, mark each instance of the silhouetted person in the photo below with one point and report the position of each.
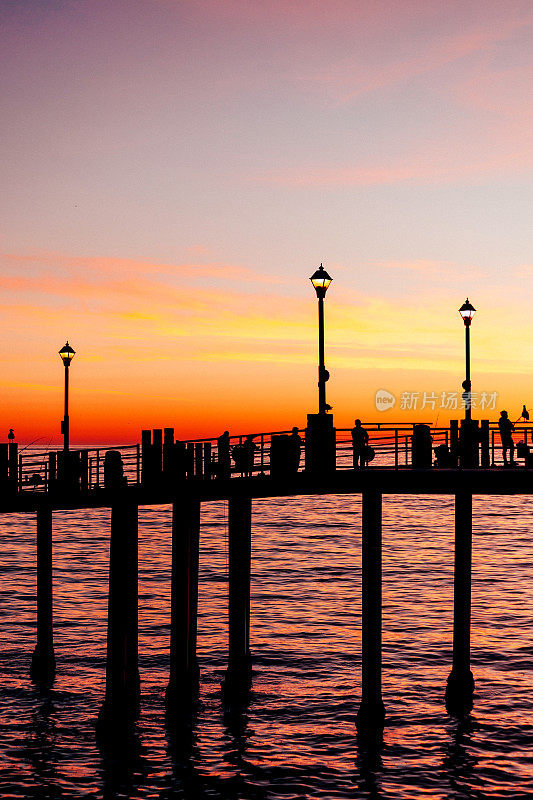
(11, 435)
(360, 443)
(243, 455)
(250, 448)
(224, 460)
(506, 433)
(296, 448)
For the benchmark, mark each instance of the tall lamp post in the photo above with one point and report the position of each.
(67, 354)
(467, 312)
(321, 281)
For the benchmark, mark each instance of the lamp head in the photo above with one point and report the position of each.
(467, 311)
(321, 280)
(67, 354)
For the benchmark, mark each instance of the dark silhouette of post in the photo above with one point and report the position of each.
(238, 674)
(43, 663)
(184, 671)
(13, 465)
(460, 687)
(321, 280)
(371, 713)
(485, 444)
(121, 702)
(467, 312)
(67, 354)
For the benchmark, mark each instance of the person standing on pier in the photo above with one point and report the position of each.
(360, 443)
(250, 448)
(224, 460)
(506, 433)
(296, 448)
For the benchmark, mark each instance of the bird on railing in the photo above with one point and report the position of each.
(524, 415)
(11, 435)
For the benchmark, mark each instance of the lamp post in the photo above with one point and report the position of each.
(467, 312)
(67, 354)
(321, 280)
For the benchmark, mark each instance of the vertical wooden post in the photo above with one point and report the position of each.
(168, 447)
(454, 440)
(198, 459)
(146, 450)
(460, 687)
(207, 460)
(239, 672)
(43, 663)
(485, 454)
(184, 671)
(84, 470)
(121, 702)
(13, 464)
(371, 711)
(189, 459)
(4, 465)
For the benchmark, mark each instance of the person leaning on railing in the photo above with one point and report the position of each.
(506, 433)
(360, 443)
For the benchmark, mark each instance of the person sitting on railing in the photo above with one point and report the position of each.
(296, 448)
(506, 433)
(224, 460)
(360, 444)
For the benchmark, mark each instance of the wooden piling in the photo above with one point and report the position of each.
(121, 702)
(371, 712)
(43, 664)
(460, 686)
(184, 671)
(238, 674)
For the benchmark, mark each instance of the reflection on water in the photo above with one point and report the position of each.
(297, 736)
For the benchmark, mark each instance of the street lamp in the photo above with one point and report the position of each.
(467, 312)
(67, 354)
(321, 280)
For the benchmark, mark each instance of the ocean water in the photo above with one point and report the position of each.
(297, 737)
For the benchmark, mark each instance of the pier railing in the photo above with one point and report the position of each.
(395, 446)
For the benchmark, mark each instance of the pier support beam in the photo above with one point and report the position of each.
(460, 687)
(121, 704)
(43, 664)
(371, 713)
(238, 677)
(184, 671)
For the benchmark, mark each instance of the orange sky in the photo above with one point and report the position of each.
(205, 346)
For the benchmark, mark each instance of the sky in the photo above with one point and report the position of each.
(173, 171)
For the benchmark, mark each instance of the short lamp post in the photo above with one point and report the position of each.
(321, 280)
(67, 354)
(467, 312)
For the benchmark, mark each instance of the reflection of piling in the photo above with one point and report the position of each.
(122, 676)
(460, 687)
(43, 662)
(238, 674)
(184, 672)
(371, 712)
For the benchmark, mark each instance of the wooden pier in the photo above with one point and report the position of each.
(187, 474)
